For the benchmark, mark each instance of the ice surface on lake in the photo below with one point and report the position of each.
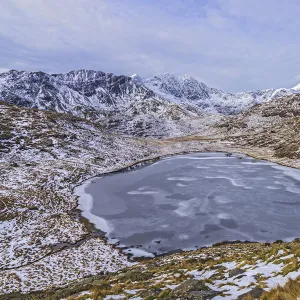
(189, 201)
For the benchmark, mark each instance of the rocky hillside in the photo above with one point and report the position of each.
(43, 155)
(274, 125)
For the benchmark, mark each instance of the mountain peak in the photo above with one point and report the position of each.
(180, 87)
(187, 77)
(296, 87)
(183, 80)
(136, 78)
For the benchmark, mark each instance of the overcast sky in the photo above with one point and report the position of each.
(235, 45)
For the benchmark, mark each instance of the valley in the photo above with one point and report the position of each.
(46, 153)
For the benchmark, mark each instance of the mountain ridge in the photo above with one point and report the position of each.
(164, 105)
(101, 90)
(186, 88)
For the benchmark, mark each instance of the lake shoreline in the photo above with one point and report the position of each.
(102, 224)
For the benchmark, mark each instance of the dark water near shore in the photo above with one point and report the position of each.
(189, 201)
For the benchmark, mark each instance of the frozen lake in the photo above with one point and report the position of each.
(189, 201)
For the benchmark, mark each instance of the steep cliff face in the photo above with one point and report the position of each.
(65, 92)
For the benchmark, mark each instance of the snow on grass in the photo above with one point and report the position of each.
(91, 258)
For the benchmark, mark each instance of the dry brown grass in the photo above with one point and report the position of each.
(190, 138)
(290, 291)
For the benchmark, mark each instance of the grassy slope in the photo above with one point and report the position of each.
(156, 278)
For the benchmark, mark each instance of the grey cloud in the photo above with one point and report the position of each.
(225, 43)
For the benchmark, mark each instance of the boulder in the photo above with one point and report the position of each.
(192, 289)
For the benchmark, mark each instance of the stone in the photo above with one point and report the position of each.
(255, 293)
(236, 272)
(192, 289)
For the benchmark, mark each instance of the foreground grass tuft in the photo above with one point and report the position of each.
(290, 291)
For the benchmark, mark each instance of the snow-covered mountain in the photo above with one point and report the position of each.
(119, 102)
(72, 91)
(162, 105)
(186, 90)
